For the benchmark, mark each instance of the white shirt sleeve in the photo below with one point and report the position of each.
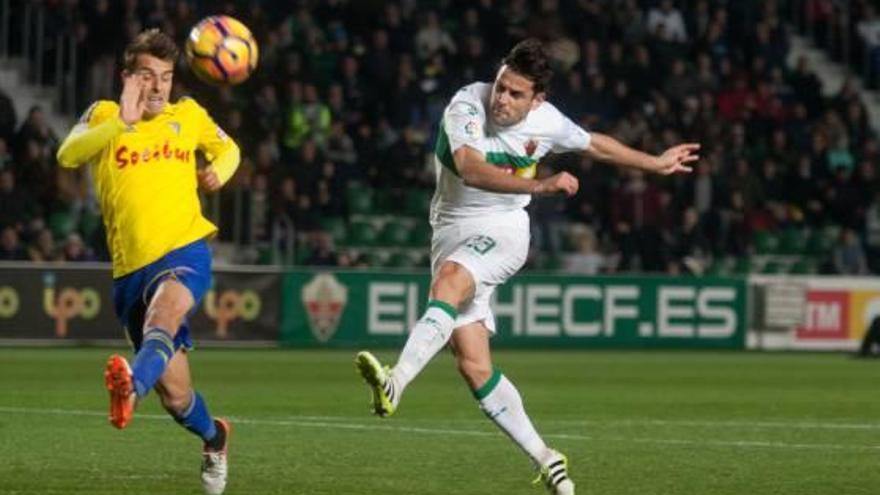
(569, 136)
(464, 122)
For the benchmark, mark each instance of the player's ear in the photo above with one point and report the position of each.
(538, 99)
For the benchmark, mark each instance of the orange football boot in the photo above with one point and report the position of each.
(117, 377)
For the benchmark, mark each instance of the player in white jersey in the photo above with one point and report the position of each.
(490, 140)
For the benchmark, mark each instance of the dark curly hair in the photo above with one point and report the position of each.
(529, 59)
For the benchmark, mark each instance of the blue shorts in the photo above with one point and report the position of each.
(132, 293)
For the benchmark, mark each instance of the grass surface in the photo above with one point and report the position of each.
(631, 423)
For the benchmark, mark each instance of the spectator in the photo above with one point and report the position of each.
(848, 257)
(872, 232)
(309, 119)
(10, 246)
(17, 207)
(43, 248)
(666, 23)
(7, 118)
(868, 29)
(322, 253)
(75, 250)
(585, 259)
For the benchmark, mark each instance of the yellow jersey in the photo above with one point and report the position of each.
(145, 176)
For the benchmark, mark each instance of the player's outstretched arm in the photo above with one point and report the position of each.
(674, 160)
(476, 172)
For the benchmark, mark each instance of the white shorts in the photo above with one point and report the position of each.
(492, 248)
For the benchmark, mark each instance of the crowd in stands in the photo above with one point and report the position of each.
(337, 128)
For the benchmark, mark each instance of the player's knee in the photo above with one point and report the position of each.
(452, 284)
(163, 318)
(176, 403)
(474, 371)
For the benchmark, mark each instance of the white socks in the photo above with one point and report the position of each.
(428, 336)
(501, 403)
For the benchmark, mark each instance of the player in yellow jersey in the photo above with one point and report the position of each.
(143, 156)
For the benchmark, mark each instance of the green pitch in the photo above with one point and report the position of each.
(636, 423)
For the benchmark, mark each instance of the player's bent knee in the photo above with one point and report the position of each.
(161, 318)
(453, 284)
(175, 403)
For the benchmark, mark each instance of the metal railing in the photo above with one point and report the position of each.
(49, 58)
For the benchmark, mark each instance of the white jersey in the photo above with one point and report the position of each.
(517, 148)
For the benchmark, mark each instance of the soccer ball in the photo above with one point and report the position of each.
(221, 50)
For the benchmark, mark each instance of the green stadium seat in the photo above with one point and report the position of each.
(335, 226)
(765, 242)
(742, 265)
(793, 241)
(61, 223)
(386, 201)
(401, 259)
(773, 267)
(395, 234)
(417, 202)
(821, 242)
(421, 235)
(363, 233)
(360, 200)
(377, 258)
(803, 266)
(89, 222)
(719, 266)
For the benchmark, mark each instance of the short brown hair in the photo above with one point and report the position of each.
(150, 42)
(528, 58)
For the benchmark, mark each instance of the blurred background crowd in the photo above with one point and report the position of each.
(337, 128)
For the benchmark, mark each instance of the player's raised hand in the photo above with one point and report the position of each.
(561, 182)
(676, 159)
(208, 179)
(132, 101)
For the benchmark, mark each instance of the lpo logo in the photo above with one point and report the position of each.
(230, 305)
(9, 302)
(67, 303)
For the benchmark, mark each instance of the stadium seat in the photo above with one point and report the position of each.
(89, 222)
(335, 226)
(773, 267)
(793, 241)
(417, 202)
(803, 266)
(742, 265)
(377, 258)
(399, 259)
(395, 234)
(362, 233)
(719, 266)
(61, 223)
(765, 242)
(821, 242)
(421, 235)
(360, 200)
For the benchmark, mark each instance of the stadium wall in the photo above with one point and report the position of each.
(811, 313)
(71, 304)
(310, 308)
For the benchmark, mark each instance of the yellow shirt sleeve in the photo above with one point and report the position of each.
(220, 150)
(94, 131)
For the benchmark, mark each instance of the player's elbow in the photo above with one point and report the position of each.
(65, 156)
(470, 175)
